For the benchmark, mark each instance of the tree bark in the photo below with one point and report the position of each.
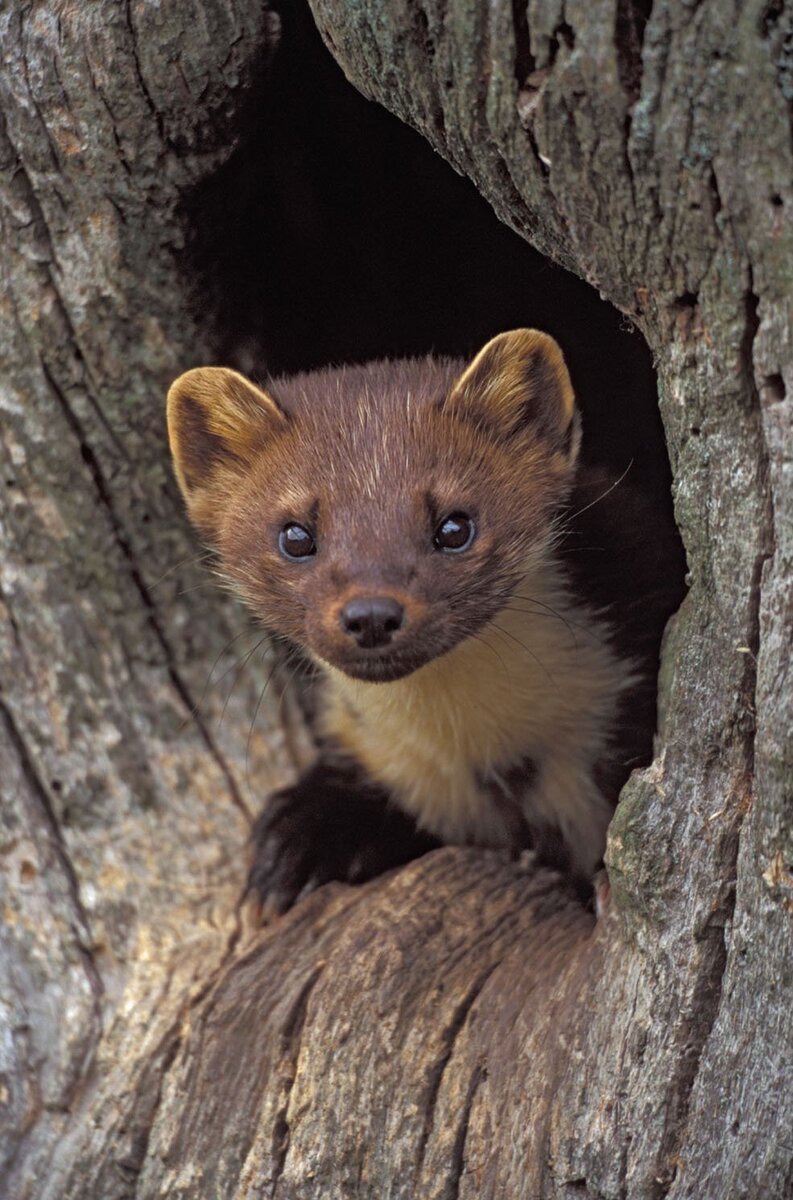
(456, 1029)
(123, 804)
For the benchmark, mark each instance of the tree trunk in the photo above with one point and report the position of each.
(456, 1029)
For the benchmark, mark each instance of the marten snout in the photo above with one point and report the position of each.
(372, 621)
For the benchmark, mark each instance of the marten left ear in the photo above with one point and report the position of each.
(519, 383)
(217, 422)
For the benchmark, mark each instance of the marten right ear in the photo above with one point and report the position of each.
(217, 421)
(518, 384)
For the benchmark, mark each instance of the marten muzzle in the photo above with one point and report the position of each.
(373, 635)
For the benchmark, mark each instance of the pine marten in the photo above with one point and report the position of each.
(484, 612)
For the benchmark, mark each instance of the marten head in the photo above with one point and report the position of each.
(378, 515)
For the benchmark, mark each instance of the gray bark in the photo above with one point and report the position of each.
(456, 1029)
(124, 805)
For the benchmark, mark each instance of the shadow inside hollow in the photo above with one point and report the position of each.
(336, 234)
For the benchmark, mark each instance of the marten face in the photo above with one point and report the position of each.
(378, 515)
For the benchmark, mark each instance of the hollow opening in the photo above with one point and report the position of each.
(335, 234)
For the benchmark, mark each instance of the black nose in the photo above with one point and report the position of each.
(372, 620)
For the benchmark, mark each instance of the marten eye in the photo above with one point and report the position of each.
(455, 533)
(295, 541)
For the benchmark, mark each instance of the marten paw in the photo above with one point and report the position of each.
(328, 826)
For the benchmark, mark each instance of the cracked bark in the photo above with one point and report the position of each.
(456, 1029)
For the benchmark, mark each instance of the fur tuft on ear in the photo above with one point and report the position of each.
(217, 421)
(519, 383)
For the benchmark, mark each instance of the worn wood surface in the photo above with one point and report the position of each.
(456, 1029)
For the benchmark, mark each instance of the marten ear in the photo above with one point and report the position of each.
(217, 421)
(519, 383)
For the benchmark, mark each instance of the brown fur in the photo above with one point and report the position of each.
(494, 706)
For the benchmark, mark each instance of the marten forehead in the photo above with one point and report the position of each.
(368, 431)
(374, 460)
(387, 460)
(364, 394)
(374, 437)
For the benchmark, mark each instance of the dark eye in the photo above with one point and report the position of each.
(455, 533)
(296, 542)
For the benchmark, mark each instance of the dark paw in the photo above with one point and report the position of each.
(330, 825)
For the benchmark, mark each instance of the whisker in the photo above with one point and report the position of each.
(278, 664)
(603, 495)
(196, 708)
(228, 645)
(191, 558)
(531, 653)
(550, 611)
(207, 585)
(477, 637)
(570, 624)
(238, 676)
(253, 723)
(289, 680)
